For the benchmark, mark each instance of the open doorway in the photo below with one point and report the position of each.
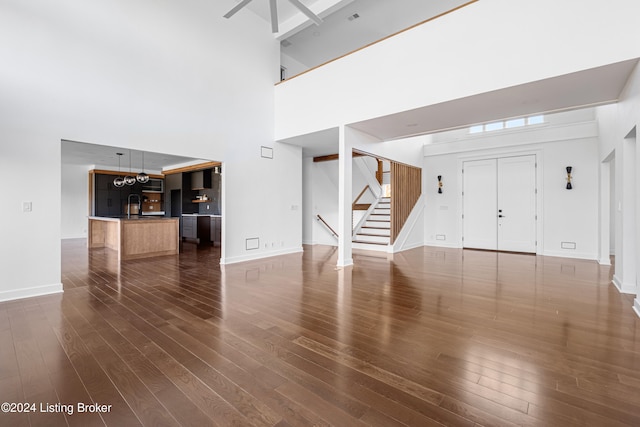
(176, 187)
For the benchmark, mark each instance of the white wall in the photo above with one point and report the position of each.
(171, 77)
(565, 215)
(406, 150)
(74, 201)
(321, 198)
(616, 123)
(486, 46)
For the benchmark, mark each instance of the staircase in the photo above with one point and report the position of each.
(376, 230)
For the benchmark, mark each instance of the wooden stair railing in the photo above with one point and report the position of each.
(355, 206)
(379, 172)
(406, 187)
(319, 218)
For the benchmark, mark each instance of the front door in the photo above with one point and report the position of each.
(499, 203)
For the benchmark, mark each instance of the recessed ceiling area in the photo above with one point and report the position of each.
(103, 156)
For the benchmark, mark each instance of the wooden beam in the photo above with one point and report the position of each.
(192, 168)
(121, 173)
(334, 157)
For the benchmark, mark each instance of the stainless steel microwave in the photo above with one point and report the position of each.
(154, 185)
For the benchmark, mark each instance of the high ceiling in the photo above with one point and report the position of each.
(356, 23)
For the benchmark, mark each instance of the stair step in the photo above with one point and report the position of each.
(384, 240)
(379, 217)
(370, 243)
(375, 232)
(377, 224)
(382, 211)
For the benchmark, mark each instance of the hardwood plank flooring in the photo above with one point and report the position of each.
(430, 336)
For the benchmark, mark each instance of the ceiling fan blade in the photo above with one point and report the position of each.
(239, 6)
(274, 16)
(304, 9)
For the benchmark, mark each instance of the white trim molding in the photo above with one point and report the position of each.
(35, 291)
(624, 288)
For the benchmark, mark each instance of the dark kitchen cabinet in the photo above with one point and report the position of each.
(189, 227)
(110, 200)
(216, 230)
(188, 195)
(107, 196)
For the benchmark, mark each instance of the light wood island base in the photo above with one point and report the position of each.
(139, 237)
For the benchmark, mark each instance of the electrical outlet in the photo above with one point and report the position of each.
(27, 206)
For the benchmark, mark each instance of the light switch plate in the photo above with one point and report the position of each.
(27, 206)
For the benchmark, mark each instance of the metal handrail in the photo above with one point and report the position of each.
(319, 218)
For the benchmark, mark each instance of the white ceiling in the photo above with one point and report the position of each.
(102, 156)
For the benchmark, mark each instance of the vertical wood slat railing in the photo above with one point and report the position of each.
(406, 187)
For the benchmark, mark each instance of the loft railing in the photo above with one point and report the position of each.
(433, 18)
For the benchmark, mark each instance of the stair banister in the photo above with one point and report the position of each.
(319, 218)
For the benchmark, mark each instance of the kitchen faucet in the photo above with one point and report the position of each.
(129, 204)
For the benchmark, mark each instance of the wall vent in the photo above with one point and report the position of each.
(354, 16)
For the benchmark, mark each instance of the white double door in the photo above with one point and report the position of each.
(499, 204)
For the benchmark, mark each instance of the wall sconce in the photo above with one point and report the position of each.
(569, 186)
(439, 184)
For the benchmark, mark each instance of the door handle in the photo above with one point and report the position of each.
(501, 216)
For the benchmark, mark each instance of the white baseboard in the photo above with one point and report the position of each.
(624, 288)
(406, 247)
(636, 306)
(575, 255)
(258, 255)
(79, 236)
(36, 291)
(605, 262)
(442, 244)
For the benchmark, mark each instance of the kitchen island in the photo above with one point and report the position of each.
(135, 237)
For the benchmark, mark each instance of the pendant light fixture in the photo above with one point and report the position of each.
(142, 177)
(129, 180)
(119, 182)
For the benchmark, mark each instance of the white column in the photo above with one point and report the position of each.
(605, 213)
(625, 274)
(345, 170)
(636, 302)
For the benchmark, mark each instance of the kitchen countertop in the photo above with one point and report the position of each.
(197, 214)
(132, 218)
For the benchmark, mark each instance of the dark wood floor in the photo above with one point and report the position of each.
(431, 336)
